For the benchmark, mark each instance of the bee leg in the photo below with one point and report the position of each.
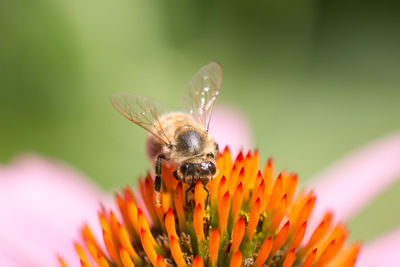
(175, 174)
(186, 192)
(208, 195)
(157, 182)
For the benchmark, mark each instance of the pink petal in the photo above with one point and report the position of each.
(43, 205)
(382, 252)
(349, 185)
(229, 126)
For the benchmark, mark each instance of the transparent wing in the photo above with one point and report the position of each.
(201, 92)
(143, 111)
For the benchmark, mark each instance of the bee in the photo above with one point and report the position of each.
(180, 139)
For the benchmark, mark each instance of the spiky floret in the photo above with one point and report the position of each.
(250, 219)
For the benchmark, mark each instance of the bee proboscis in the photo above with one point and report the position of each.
(179, 138)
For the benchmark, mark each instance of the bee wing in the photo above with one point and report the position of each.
(143, 111)
(201, 92)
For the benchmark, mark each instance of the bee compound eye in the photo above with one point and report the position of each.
(186, 168)
(212, 168)
(208, 168)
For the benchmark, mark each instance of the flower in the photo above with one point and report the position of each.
(42, 205)
(55, 199)
(248, 218)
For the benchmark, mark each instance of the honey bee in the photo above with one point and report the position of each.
(181, 139)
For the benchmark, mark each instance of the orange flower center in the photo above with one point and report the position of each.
(251, 218)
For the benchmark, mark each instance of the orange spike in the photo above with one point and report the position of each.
(160, 262)
(178, 198)
(297, 205)
(126, 243)
(104, 223)
(289, 259)
(122, 208)
(299, 236)
(176, 251)
(351, 258)
(200, 194)
(169, 222)
(233, 175)
(227, 159)
(264, 252)
(223, 211)
(279, 213)
(236, 260)
(88, 237)
(213, 184)
(222, 170)
(102, 261)
(108, 238)
(237, 176)
(237, 234)
(222, 188)
(198, 262)
(310, 259)
(258, 191)
(166, 203)
(111, 246)
(114, 224)
(237, 202)
(87, 234)
(254, 217)
(291, 186)
(280, 238)
(128, 192)
(125, 258)
(268, 175)
(92, 250)
(214, 246)
(84, 264)
(169, 181)
(142, 187)
(131, 210)
(338, 234)
(157, 215)
(327, 254)
(346, 257)
(61, 261)
(147, 246)
(198, 223)
(319, 232)
(305, 212)
(81, 254)
(147, 192)
(239, 157)
(221, 163)
(145, 225)
(275, 195)
(251, 164)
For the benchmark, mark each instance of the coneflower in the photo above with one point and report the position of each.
(250, 218)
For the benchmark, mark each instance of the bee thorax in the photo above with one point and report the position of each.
(189, 142)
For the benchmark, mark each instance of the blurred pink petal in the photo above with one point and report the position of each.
(229, 126)
(352, 183)
(383, 252)
(43, 205)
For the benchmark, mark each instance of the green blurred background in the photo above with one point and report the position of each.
(317, 79)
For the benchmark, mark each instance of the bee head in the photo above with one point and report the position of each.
(197, 170)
